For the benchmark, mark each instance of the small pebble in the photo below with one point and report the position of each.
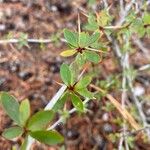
(72, 134)
(25, 75)
(107, 128)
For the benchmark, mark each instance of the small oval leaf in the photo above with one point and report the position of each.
(83, 39)
(68, 53)
(71, 37)
(92, 56)
(77, 103)
(93, 38)
(60, 103)
(24, 111)
(85, 93)
(40, 120)
(48, 137)
(65, 74)
(84, 82)
(12, 132)
(11, 106)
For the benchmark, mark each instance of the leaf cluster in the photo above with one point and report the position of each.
(27, 124)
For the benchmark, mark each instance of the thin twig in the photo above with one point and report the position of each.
(44, 41)
(125, 12)
(56, 97)
(135, 132)
(96, 50)
(141, 47)
(144, 67)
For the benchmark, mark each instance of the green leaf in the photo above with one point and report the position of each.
(92, 56)
(92, 24)
(146, 18)
(12, 132)
(40, 120)
(71, 37)
(99, 45)
(80, 59)
(85, 93)
(48, 137)
(60, 103)
(24, 111)
(83, 39)
(22, 41)
(65, 74)
(75, 70)
(91, 27)
(68, 53)
(103, 18)
(77, 103)
(91, 2)
(93, 38)
(84, 82)
(11, 106)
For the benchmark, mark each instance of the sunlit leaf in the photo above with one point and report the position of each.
(68, 53)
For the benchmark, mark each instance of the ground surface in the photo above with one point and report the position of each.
(31, 72)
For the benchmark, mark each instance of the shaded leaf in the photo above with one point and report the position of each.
(77, 103)
(92, 23)
(65, 74)
(146, 18)
(84, 82)
(71, 37)
(48, 137)
(24, 111)
(92, 56)
(85, 93)
(12, 132)
(83, 39)
(103, 18)
(11, 106)
(75, 70)
(40, 120)
(80, 59)
(93, 38)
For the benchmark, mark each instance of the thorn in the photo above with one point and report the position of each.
(58, 83)
(79, 24)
